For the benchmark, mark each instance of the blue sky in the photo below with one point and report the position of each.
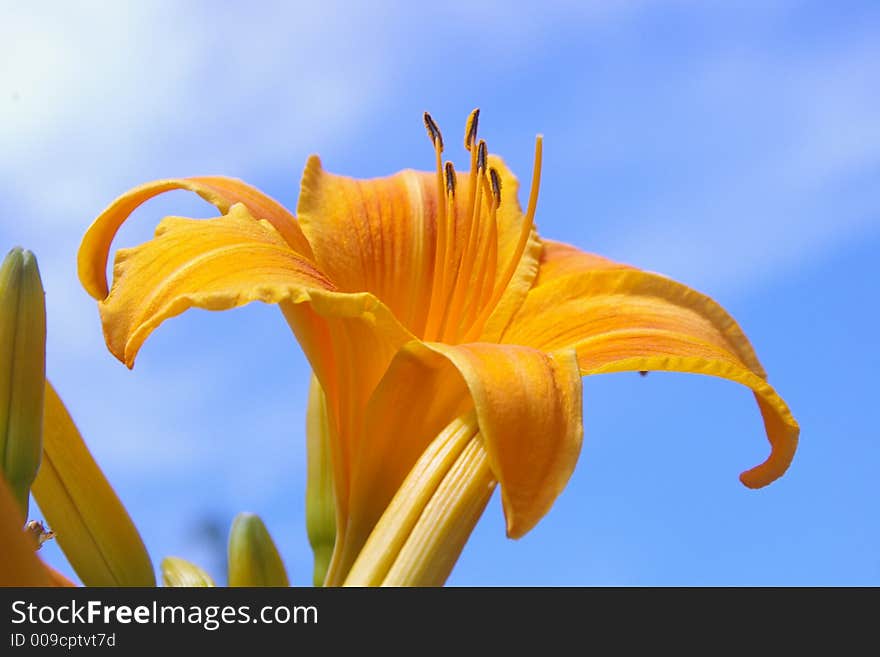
(736, 149)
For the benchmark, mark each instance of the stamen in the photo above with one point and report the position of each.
(486, 256)
(440, 244)
(470, 129)
(449, 247)
(472, 181)
(462, 285)
(525, 233)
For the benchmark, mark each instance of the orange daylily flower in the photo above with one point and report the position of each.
(439, 325)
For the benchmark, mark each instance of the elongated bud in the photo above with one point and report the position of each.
(22, 372)
(177, 572)
(320, 498)
(91, 525)
(253, 557)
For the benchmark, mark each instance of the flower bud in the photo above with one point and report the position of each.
(22, 372)
(253, 557)
(179, 572)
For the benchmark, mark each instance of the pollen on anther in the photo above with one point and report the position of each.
(482, 155)
(433, 131)
(470, 129)
(450, 179)
(495, 179)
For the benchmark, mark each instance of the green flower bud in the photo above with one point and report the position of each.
(22, 372)
(180, 572)
(253, 557)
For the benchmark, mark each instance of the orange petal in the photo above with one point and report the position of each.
(620, 318)
(559, 259)
(20, 565)
(221, 192)
(528, 406)
(221, 263)
(57, 579)
(379, 236)
(215, 264)
(349, 340)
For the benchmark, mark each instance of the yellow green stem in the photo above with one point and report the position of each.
(422, 532)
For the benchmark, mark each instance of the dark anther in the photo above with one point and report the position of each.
(450, 179)
(433, 131)
(495, 179)
(470, 132)
(482, 156)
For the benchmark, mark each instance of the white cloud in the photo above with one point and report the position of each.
(95, 91)
(97, 96)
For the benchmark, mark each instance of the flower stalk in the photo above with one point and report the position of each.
(422, 532)
(320, 500)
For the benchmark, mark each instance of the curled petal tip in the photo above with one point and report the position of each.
(771, 470)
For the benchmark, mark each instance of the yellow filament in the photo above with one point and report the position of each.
(525, 233)
(449, 327)
(440, 244)
(449, 268)
(456, 251)
(491, 267)
(485, 256)
(488, 261)
(441, 209)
